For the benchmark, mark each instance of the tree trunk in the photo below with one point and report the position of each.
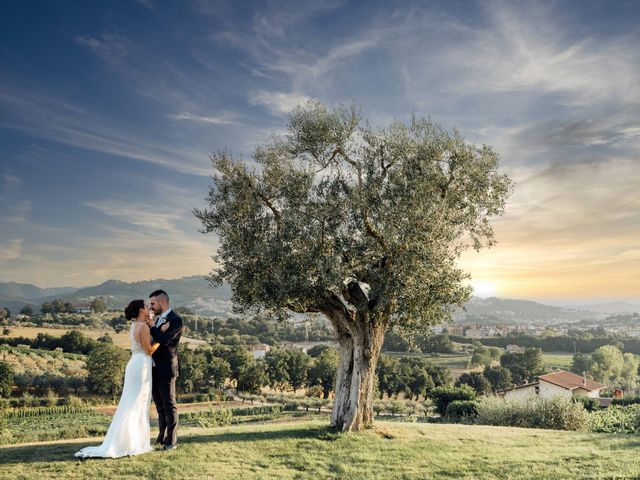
(359, 351)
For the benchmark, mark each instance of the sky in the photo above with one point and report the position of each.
(109, 112)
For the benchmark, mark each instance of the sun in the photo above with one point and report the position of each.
(484, 289)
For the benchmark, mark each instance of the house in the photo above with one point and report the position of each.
(259, 350)
(564, 384)
(454, 330)
(513, 348)
(473, 333)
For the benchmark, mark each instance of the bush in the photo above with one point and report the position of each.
(616, 419)
(461, 410)
(557, 413)
(589, 404)
(631, 400)
(443, 396)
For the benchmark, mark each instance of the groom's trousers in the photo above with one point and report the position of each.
(163, 391)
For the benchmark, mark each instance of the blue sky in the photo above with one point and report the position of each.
(109, 111)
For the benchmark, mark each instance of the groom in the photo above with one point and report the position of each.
(166, 330)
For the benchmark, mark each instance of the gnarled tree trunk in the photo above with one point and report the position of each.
(353, 403)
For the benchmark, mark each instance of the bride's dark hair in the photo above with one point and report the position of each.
(133, 309)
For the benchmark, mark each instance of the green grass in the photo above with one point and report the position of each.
(557, 360)
(307, 449)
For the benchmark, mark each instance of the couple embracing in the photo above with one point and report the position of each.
(151, 372)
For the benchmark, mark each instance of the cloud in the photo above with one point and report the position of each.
(110, 47)
(11, 249)
(11, 182)
(58, 120)
(146, 3)
(185, 116)
(277, 102)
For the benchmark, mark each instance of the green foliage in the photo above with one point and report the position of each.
(323, 371)
(461, 410)
(106, 366)
(590, 404)
(524, 366)
(293, 231)
(443, 396)
(475, 380)
(6, 379)
(616, 419)
(253, 376)
(98, 305)
(556, 413)
(499, 377)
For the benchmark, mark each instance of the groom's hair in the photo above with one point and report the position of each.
(160, 294)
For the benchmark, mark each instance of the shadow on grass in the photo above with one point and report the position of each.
(318, 433)
(63, 452)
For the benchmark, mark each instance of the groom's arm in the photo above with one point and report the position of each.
(166, 337)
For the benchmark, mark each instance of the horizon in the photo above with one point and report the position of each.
(565, 303)
(109, 112)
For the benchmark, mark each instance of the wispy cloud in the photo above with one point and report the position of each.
(11, 249)
(277, 102)
(190, 117)
(60, 121)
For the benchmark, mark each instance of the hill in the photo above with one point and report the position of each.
(507, 310)
(195, 293)
(305, 449)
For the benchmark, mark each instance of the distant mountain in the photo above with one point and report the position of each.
(26, 290)
(192, 292)
(196, 294)
(612, 307)
(507, 310)
(14, 295)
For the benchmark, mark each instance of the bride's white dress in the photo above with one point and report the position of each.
(129, 433)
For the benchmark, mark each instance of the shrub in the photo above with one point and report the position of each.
(443, 396)
(631, 400)
(461, 410)
(589, 404)
(556, 413)
(616, 419)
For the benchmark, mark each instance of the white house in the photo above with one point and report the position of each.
(259, 350)
(564, 384)
(513, 348)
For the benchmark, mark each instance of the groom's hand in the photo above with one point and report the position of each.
(164, 327)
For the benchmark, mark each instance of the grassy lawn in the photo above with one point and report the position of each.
(558, 360)
(306, 449)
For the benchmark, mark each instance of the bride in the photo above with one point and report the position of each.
(128, 433)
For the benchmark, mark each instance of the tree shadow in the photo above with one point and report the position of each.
(64, 452)
(317, 433)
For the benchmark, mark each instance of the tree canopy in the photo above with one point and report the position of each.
(363, 225)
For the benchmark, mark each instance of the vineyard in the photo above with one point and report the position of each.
(43, 362)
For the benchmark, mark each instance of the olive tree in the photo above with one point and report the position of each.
(360, 224)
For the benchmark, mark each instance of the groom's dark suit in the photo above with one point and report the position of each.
(165, 372)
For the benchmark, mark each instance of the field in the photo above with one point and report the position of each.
(37, 362)
(558, 360)
(305, 448)
(120, 339)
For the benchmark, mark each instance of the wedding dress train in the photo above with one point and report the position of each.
(129, 432)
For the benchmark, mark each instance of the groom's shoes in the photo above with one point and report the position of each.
(170, 447)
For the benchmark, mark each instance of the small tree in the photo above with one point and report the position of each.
(364, 226)
(498, 377)
(323, 371)
(475, 380)
(26, 310)
(98, 305)
(106, 366)
(6, 379)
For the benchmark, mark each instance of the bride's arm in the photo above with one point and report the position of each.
(145, 340)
